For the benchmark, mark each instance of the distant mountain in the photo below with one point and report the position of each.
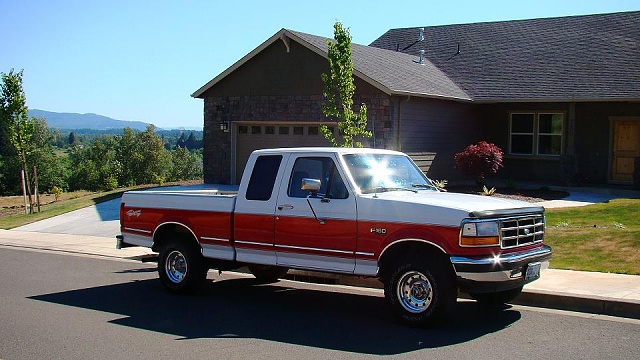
(84, 121)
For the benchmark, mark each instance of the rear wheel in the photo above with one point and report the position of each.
(268, 273)
(497, 298)
(420, 291)
(181, 268)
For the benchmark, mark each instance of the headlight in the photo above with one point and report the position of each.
(479, 233)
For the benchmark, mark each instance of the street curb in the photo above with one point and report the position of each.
(573, 302)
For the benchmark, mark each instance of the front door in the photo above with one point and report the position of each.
(626, 147)
(315, 231)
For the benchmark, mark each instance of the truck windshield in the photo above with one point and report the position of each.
(386, 172)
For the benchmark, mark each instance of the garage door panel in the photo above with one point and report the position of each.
(250, 137)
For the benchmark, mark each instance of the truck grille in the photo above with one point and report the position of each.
(521, 231)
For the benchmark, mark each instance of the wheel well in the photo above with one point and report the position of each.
(401, 249)
(173, 231)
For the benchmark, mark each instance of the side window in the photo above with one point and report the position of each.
(320, 168)
(263, 177)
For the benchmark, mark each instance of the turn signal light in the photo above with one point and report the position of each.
(479, 241)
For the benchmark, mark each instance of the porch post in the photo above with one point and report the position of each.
(569, 163)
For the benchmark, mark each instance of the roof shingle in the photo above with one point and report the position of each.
(593, 57)
(397, 72)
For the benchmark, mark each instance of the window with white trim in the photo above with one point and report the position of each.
(536, 133)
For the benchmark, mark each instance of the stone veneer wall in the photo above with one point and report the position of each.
(298, 108)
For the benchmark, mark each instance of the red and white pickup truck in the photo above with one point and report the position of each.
(362, 212)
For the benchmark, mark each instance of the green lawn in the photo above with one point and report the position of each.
(600, 237)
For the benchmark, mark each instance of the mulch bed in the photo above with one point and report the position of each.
(529, 195)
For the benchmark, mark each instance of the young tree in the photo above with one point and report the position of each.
(338, 93)
(15, 120)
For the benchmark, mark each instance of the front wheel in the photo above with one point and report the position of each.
(181, 268)
(496, 298)
(420, 291)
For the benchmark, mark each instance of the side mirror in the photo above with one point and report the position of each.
(311, 185)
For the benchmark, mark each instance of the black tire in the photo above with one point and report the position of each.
(496, 298)
(420, 290)
(181, 268)
(267, 273)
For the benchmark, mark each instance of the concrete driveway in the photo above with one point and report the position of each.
(102, 219)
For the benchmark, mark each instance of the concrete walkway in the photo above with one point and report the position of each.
(91, 232)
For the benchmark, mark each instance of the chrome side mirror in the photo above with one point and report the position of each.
(311, 185)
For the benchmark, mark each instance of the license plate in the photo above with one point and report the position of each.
(533, 271)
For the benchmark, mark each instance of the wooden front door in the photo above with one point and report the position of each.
(626, 147)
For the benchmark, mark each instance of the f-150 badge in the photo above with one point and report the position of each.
(134, 213)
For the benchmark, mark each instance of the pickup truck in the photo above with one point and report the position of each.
(361, 212)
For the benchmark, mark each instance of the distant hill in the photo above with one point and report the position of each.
(84, 121)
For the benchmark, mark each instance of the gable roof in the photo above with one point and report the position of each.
(391, 72)
(576, 58)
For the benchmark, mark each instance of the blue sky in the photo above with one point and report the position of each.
(141, 60)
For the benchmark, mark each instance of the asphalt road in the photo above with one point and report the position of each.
(72, 307)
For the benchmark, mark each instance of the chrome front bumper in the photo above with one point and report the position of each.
(500, 272)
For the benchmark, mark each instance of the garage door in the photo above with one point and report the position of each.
(250, 137)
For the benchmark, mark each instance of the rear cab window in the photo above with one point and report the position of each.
(263, 177)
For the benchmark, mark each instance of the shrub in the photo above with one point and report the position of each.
(479, 160)
(488, 192)
(440, 184)
(57, 192)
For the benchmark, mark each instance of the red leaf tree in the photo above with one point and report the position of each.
(480, 160)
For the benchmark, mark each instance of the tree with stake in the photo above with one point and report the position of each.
(14, 115)
(339, 90)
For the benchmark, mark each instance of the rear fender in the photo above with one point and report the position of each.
(173, 230)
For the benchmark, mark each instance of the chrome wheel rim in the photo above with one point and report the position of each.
(176, 266)
(415, 292)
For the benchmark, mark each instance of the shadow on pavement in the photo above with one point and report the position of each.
(242, 308)
(108, 210)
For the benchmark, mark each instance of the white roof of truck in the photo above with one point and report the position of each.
(328, 150)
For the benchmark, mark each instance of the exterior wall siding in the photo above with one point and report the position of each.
(594, 138)
(586, 143)
(441, 128)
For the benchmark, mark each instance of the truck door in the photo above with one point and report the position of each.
(254, 218)
(315, 231)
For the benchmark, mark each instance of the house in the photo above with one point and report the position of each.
(560, 96)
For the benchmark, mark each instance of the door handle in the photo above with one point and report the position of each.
(285, 207)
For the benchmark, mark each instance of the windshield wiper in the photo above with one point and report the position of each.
(385, 189)
(426, 186)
